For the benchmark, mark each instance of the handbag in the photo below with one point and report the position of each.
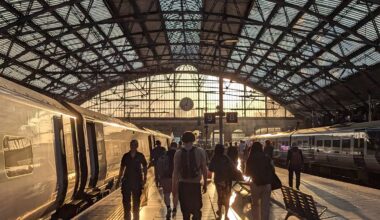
(276, 182)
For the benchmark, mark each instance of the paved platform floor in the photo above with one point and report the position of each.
(344, 200)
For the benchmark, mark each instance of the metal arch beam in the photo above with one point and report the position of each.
(304, 91)
(163, 25)
(228, 34)
(72, 30)
(341, 59)
(100, 31)
(281, 89)
(25, 19)
(259, 35)
(26, 46)
(322, 71)
(278, 40)
(84, 41)
(125, 29)
(326, 19)
(332, 85)
(241, 28)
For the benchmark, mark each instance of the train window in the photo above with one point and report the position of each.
(327, 143)
(18, 156)
(346, 144)
(319, 143)
(336, 143)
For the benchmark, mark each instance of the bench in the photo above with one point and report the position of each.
(301, 205)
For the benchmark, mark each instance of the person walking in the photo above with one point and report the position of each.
(132, 174)
(294, 163)
(258, 167)
(233, 153)
(222, 179)
(165, 167)
(189, 168)
(157, 152)
(268, 150)
(241, 150)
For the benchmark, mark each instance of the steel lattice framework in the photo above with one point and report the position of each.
(305, 54)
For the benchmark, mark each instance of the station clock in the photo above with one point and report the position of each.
(186, 104)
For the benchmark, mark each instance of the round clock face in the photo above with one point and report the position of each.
(186, 104)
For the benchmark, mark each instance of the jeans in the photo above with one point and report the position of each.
(260, 201)
(298, 177)
(190, 198)
(136, 194)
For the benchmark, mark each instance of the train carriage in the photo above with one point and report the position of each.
(352, 147)
(56, 157)
(32, 155)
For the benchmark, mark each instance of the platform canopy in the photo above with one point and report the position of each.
(308, 55)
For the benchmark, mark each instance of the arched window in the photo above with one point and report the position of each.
(161, 96)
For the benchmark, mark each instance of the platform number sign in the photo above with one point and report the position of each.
(210, 118)
(232, 117)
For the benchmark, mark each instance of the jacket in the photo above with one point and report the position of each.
(260, 169)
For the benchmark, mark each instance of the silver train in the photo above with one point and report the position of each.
(58, 158)
(350, 147)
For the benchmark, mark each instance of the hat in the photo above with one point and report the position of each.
(188, 136)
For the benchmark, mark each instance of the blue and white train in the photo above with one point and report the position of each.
(348, 147)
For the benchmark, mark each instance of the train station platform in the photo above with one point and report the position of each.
(344, 201)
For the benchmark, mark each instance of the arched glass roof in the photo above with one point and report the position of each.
(161, 95)
(310, 55)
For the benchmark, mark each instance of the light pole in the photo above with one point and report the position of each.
(218, 44)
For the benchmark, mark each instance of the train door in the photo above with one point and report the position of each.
(358, 149)
(98, 163)
(372, 149)
(71, 152)
(60, 159)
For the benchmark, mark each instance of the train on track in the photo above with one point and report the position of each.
(351, 149)
(57, 158)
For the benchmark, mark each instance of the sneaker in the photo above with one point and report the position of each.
(174, 212)
(219, 214)
(168, 213)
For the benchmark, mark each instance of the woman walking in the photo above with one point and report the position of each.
(222, 179)
(260, 169)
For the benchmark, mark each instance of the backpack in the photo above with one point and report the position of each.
(296, 161)
(189, 168)
(163, 166)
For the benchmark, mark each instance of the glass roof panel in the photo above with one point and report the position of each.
(174, 13)
(18, 73)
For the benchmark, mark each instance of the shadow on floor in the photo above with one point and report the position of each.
(335, 201)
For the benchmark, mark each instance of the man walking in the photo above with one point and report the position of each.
(233, 153)
(268, 151)
(295, 163)
(189, 167)
(133, 171)
(157, 152)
